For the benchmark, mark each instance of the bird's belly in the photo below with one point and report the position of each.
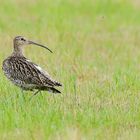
(12, 77)
(22, 85)
(28, 86)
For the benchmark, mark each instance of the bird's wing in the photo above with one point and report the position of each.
(30, 73)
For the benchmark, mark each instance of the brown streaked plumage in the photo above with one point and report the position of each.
(26, 74)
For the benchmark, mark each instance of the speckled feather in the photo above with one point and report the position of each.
(28, 75)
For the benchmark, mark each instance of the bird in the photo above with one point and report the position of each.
(24, 73)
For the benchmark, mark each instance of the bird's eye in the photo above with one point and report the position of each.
(22, 39)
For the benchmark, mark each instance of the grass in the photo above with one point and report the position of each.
(96, 56)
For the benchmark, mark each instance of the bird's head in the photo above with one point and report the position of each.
(20, 41)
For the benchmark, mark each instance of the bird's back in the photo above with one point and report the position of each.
(27, 74)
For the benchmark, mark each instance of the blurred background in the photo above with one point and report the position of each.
(96, 56)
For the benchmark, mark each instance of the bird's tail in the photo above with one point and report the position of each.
(53, 90)
(50, 89)
(57, 83)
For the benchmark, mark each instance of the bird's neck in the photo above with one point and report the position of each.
(18, 50)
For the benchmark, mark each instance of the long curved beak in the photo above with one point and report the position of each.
(31, 42)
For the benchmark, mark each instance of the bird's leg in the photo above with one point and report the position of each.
(23, 94)
(34, 94)
(22, 91)
(41, 94)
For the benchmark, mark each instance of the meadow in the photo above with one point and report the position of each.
(96, 45)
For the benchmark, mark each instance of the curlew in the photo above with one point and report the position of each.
(26, 74)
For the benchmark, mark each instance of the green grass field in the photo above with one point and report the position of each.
(96, 45)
